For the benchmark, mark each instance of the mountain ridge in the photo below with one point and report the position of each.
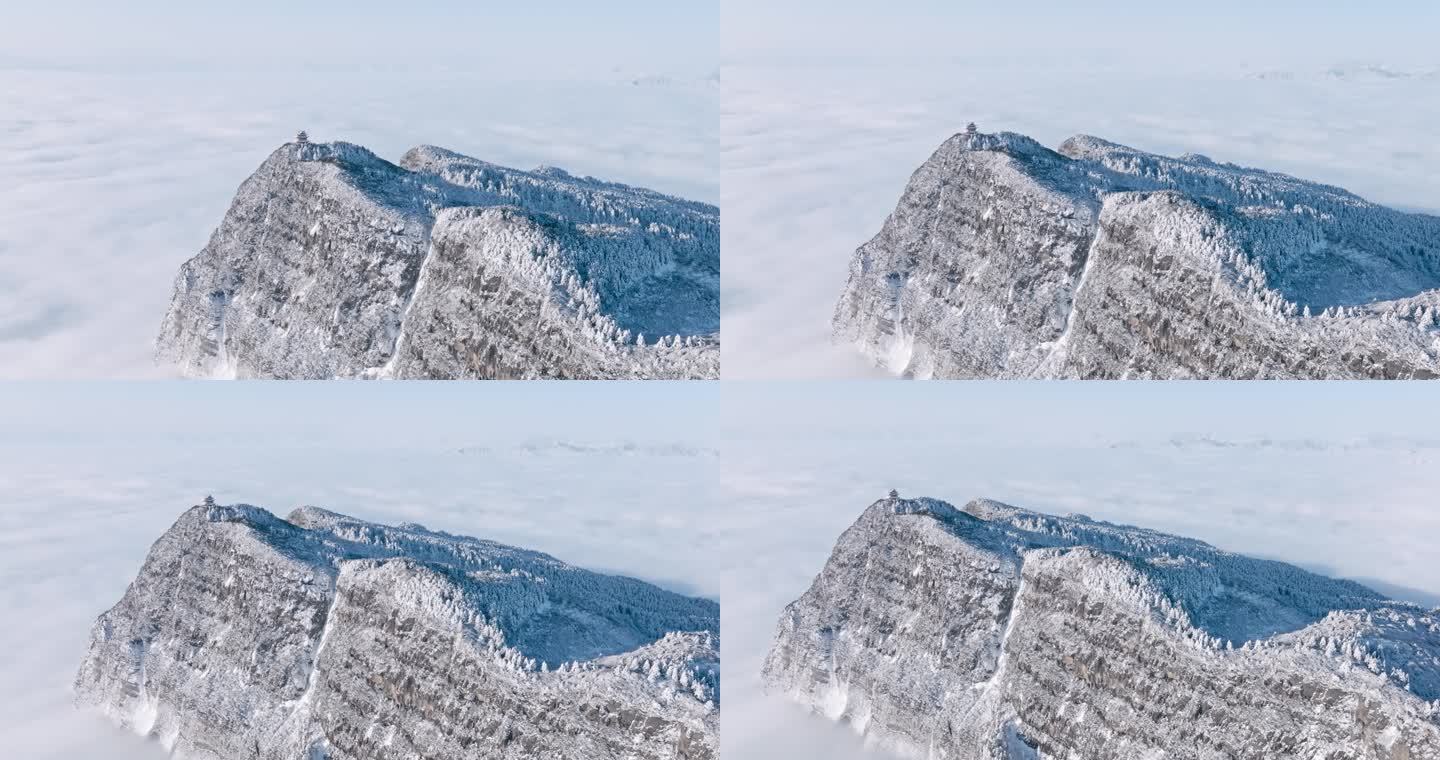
(244, 635)
(1007, 259)
(333, 262)
(997, 632)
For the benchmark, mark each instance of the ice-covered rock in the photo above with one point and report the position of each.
(332, 262)
(998, 633)
(1007, 259)
(324, 637)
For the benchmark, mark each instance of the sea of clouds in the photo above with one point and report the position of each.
(117, 173)
(1351, 494)
(815, 153)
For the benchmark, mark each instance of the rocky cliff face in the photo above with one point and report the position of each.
(328, 638)
(1007, 259)
(993, 632)
(332, 262)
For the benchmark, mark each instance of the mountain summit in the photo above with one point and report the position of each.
(324, 637)
(332, 262)
(1005, 259)
(999, 633)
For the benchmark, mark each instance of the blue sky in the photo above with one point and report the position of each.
(1219, 30)
(434, 413)
(632, 33)
(661, 411)
(688, 35)
(1047, 411)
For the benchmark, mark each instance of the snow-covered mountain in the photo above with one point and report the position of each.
(996, 632)
(324, 637)
(332, 262)
(1007, 259)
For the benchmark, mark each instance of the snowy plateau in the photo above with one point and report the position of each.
(332, 262)
(1005, 259)
(323, 636)
(999, 633)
